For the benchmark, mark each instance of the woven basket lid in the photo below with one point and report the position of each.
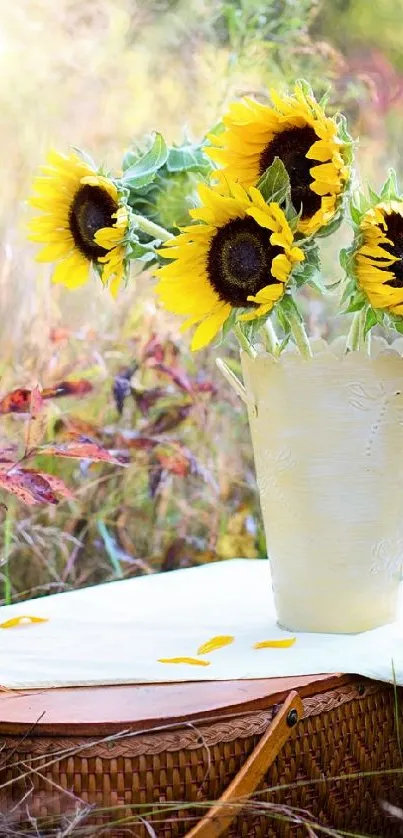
(105, 710)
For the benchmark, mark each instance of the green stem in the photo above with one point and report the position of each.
(368, 341)
(299, 334)
(355, 336)
(270, 338)
(152, 229)
(245, 345)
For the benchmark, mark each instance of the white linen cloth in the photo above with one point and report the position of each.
(115, 633)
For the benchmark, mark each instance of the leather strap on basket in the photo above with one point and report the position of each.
(230, 804)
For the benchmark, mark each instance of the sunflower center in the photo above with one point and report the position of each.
(394, 232)
(92, 208)
(291, 146)
(239, 261)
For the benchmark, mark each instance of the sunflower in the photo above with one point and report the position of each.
(379, 256)
(297, 131)
(82, 222)
(240, 256)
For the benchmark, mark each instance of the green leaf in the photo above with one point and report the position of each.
(333, 225)
(143, 171)
(85, 157)
(390, 189)
(375, 198)
(252, 327)
(331, 286)
(284, 342)
(398, 325)
(370, 320)
(309, 269)
(289, 307)
(305, 87)
(344, 133)
(357, 303)
(283, 321)
(187, 158)
(227, 326)
(355, 214)
(274, 184)
(323, 102)
(346, 258)
(364, 203)
(140, 252)
(349, 290)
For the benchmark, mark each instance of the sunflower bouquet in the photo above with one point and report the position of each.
(230, 228)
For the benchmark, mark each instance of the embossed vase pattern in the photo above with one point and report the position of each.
(328, 443)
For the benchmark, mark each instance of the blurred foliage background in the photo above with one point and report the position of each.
(98, 74)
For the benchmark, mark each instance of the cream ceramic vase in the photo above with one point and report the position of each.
(328, 443)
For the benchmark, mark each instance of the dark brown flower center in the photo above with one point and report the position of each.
(239, 261)
(394, 232)
(291, 146)
(91, 209)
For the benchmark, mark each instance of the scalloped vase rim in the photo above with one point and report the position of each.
(336, 349)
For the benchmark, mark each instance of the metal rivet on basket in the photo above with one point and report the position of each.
(292, 718)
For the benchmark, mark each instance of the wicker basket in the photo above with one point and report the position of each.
(288, 758)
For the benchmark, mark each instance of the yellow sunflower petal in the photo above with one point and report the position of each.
(187, 660)
(281, 267)
(270, 293)
(208, 329)
(214, 643)
(275, 644)
(55, 251)
(322, 150)
(263, 218)
(259, 311)
(72, 272)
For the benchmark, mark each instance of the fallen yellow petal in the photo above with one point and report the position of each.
(215, 643)
(190, 661)
(22, 621)
(275, 644)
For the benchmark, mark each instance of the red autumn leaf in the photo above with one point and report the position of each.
(18, 401)
(168, 419)
(36, 406)
(29, 486)
(82, 451)
(145, 399)
(71, 427)
(178, 376)
(175, 458)
(131, 439)
(204, 385)
(154, 349)
(79, 387)
(23, 400)
(35, 427)
(56, 484)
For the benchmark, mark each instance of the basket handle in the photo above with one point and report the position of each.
(221, 815)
